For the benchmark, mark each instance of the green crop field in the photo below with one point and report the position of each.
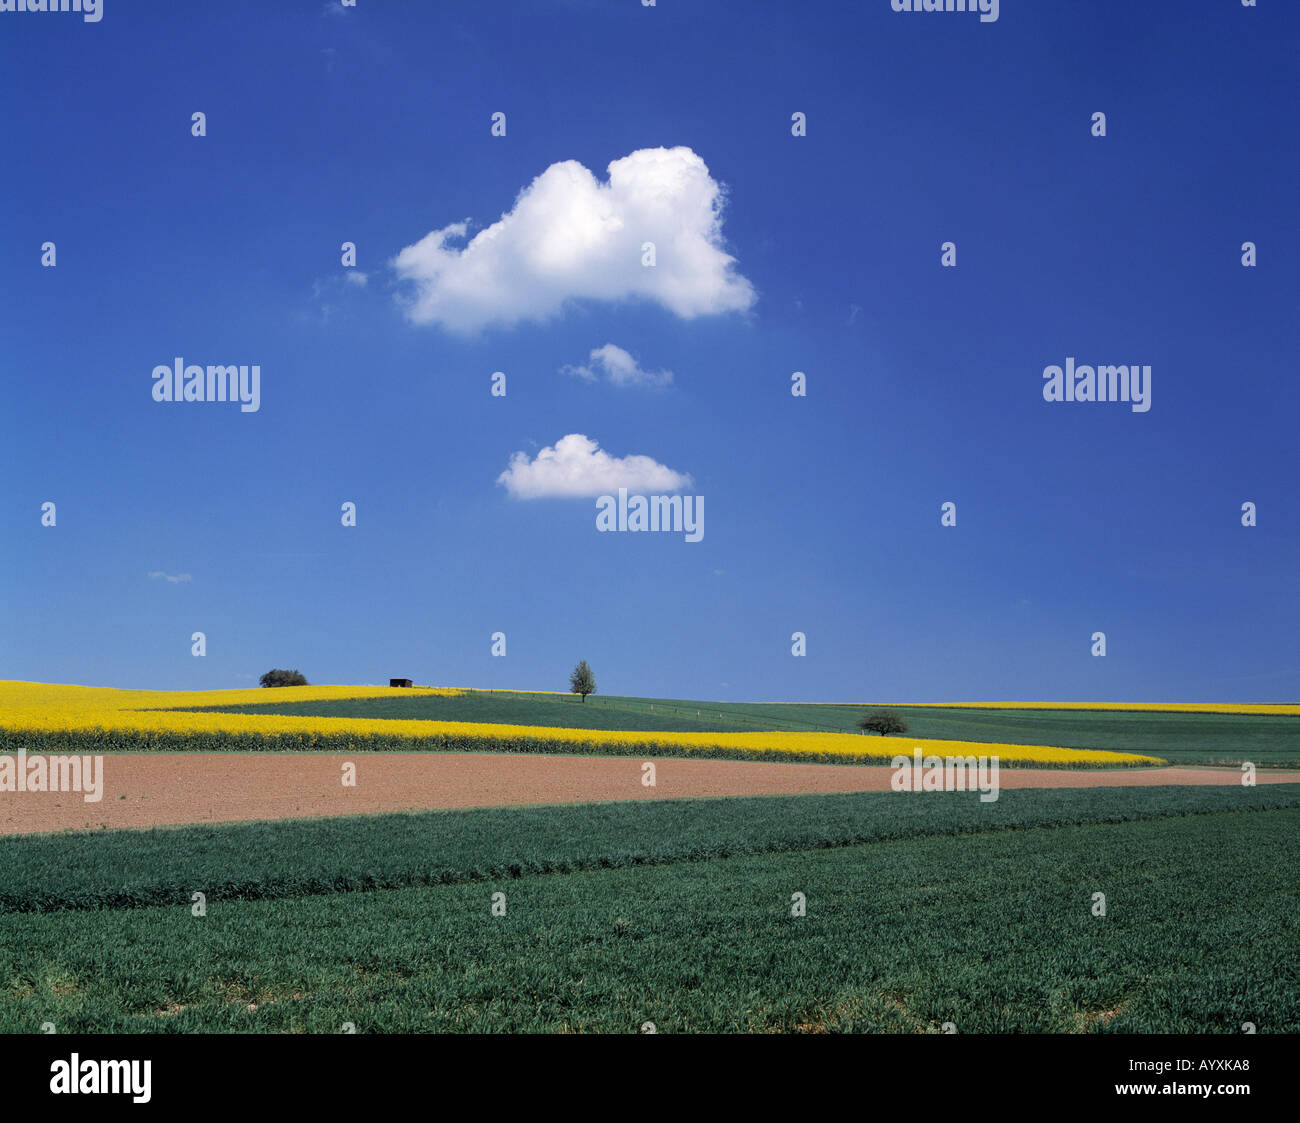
(920, 911)
(516, 708)
(1181, 738)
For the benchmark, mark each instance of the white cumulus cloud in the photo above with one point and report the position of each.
(576, 467)
(571, 237)
(618, 367)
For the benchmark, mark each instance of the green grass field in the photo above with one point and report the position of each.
(1181, 738)
(920, 910)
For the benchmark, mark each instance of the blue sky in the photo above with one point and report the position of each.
(822, 514)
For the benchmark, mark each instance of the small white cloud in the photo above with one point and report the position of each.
(330, 294)
(572, 237)
(174, 578)
(576, 467)
(619, 368)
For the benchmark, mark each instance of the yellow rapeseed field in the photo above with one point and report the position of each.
(1153, 707)
(157, 719)
(1280, 708)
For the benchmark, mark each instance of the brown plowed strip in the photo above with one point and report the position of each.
(166, 789)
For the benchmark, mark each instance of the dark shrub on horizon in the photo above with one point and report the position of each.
(278, 677)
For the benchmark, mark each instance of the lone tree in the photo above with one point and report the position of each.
(882, 722)
(581, 680)
(278, 677)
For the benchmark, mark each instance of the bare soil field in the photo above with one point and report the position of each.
(172, 789)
